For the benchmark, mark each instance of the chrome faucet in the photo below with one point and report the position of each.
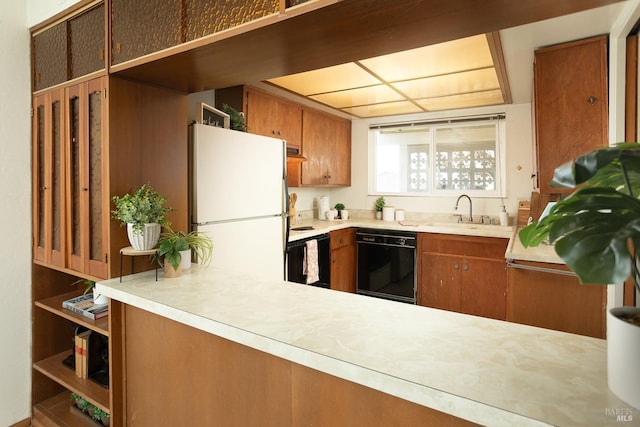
(470, 208)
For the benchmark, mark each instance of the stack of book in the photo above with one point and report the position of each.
(84, 305)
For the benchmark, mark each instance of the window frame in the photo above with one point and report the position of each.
(500, 185)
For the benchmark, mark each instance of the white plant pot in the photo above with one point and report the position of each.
(98, 298)
(185, 262)
(623, 356)
(145, 239)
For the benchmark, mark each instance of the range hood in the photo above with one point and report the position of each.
(294, 155)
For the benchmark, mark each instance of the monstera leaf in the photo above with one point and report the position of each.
(596, 229)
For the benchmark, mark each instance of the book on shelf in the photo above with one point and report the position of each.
(84, 305)
(82, 353)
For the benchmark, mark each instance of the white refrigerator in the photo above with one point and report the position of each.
(239, 198)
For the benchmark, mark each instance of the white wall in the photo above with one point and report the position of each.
(15, 191)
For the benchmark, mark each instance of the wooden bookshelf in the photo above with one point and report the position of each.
(53, 368)
(54, 305)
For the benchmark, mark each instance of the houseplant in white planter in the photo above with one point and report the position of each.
(378, 205)
(176, 247)
(596, 231)
(143, 212)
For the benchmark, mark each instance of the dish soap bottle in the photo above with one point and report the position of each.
(504, 216)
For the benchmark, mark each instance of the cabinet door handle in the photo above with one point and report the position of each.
(466, 267)
(592, 100)
(456, 266)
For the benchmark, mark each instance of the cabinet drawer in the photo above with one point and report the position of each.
(484, 247)
(342, 238)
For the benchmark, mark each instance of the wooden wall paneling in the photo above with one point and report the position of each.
(179, 375)
(117, 362)
(148, 136)
(320, 399)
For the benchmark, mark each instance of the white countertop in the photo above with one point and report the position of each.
(487, 371)
(420, 226)
(541, 253)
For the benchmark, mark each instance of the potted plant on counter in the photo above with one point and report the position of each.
(596, 231)
(144, 213)
(379, 204)
(176, 247)
(339, 207)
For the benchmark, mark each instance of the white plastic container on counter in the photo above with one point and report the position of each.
(399, 214)
(388, 213)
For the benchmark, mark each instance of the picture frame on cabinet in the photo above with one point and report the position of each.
(211, 116)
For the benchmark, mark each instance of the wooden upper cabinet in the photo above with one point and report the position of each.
(48, 166)
(50, 57)
(570, 103)
(87, 42)
(70, 49)
(142, 27)
(323, 139)
(272, 116)
(205, 17)
(327, 148)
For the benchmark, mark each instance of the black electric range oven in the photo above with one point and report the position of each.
(295, 260)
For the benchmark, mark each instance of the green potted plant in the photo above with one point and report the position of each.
(596, 231)
(339, 207)
(143, 212)
(175, 248)
(379, 204)
(236, 118)
(89, 285)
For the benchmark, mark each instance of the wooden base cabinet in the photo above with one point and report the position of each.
(342, 249)
(544, 295)
(466, 274)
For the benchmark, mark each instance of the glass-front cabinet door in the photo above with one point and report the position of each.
(48, 178)
(88, 215)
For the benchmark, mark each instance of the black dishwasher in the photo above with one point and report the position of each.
(296, 257)
(386, 264)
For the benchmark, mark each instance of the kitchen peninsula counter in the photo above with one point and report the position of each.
(482, 370)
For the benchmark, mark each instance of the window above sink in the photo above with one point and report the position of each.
(439, 158)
